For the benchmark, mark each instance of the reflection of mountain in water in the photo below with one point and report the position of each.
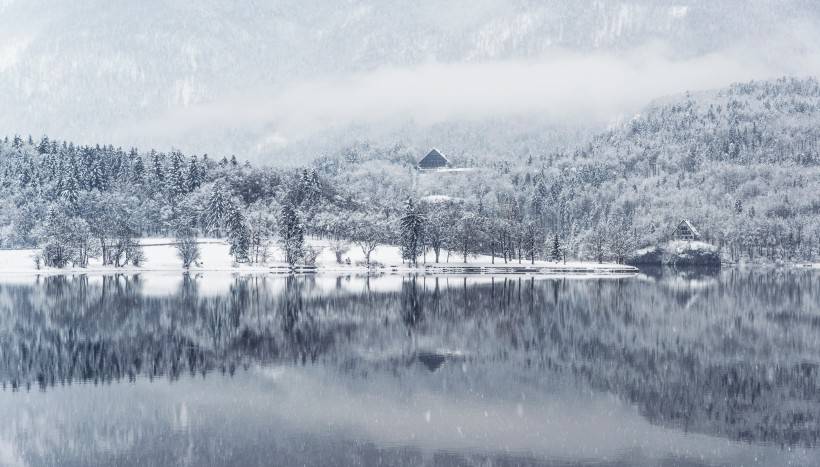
(740, 361)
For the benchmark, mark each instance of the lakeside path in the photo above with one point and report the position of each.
(161, 256)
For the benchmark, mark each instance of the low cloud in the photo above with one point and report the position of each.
(564, 87)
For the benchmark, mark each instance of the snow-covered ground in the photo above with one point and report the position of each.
(161, 255)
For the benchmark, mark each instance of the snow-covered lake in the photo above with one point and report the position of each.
(222, 369)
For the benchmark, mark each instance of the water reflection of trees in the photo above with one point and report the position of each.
(735, 355)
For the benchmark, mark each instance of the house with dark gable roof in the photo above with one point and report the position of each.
(433, 160)
(685, 231)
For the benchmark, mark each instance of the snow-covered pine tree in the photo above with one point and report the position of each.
(194, 175)
(219, 205)
(44, 146)
(176, 176)
(412, 230)
(555, 252)
(137, 171)
(238, 235)
(311, 188)
(71, 192)
(157, 170)
(96, 173)
(291, 234)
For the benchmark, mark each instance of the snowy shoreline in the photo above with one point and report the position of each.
(161, 257)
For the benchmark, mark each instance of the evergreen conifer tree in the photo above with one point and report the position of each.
(412, 231)
(157, 170)
(71, 192)
(137, 171)
(291, 234)
(44, 145)
(194, 180)
(96, 174)
(178, 184)
(555, 253)
(218, 208)
(238, 235)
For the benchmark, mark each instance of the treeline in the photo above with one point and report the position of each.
(742, 164)
(80, 202)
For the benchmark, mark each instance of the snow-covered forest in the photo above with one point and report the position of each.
(741, 163)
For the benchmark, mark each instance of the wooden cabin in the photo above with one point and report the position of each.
(685, 231)
(433, 160)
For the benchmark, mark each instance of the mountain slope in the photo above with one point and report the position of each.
(95, 70)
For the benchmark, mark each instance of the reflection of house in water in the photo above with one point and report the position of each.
(431, 360)
(685, 286)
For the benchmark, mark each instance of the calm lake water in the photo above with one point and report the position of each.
(663, 369)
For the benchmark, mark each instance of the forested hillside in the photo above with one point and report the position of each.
(741, 163)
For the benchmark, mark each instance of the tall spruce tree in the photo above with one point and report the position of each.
(157, 170)
(219, 206)
(238, 235)
(291, 234)
(176, 175)
(71, 192)
(555, 252)
(194, 176)
(137, 171)
(412, 231)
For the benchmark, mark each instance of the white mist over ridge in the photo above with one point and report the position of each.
(292, 79)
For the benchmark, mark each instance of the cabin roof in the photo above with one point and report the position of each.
(685, 222)
(434, 158)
